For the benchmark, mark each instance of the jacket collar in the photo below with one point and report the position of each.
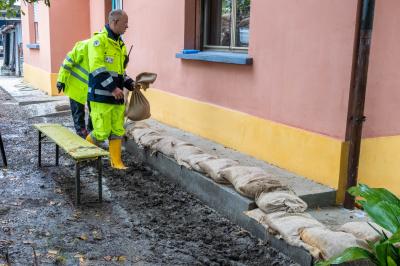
(111, 34)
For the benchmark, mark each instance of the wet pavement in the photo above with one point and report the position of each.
(144, 220)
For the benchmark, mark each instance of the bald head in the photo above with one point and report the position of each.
(118, 21)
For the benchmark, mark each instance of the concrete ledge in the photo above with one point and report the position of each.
(223, 199)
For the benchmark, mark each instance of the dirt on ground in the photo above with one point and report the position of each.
(145, 219)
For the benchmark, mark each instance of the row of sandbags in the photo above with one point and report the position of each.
(253, 182)
(302, 230)
(280, 210)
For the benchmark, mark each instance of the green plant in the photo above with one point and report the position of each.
(383, 208)
(12, 9)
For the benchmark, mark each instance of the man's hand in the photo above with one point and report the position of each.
(141, 86)
(60, 87)
(118, 93)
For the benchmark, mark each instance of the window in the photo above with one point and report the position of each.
(226, 24)
(36, 21)
(117, 4)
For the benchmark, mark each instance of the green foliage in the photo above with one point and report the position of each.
(383, 207)
(350, 254)
(12, 10)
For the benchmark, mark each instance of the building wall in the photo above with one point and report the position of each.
(37, 62)
(98, 14)
(289, 108)
(57, 37)
(379, 161)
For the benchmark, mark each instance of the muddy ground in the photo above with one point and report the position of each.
(144, 220)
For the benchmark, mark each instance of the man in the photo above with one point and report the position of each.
(73, 81)
(107, 62)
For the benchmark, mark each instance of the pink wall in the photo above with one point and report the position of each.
(383, 90)
(70, 22)
(57, 31)
(97, 18)
(302, 54)
(39, 58)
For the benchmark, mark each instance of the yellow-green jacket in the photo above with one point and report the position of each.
(107, 62)
(74, 72)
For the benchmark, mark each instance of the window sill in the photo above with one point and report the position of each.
(220, 57)
(33, 46)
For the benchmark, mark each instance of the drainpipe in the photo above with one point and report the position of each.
(357, 97)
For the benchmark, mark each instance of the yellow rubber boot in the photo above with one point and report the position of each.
(115, 154)
(89, 138)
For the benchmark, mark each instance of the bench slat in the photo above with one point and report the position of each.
(74, 145)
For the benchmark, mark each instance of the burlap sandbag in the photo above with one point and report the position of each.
(167, 145)
(280, 200)
(140, 132)
(289, 225)
(131, 127)
(195, 159)
(149, 140)
(234, 172)
(138, 106)
(364, 231)
(330, 243)
(183, 152)
(144, 79)
(214, 167)
(250, 181)
(259, 216)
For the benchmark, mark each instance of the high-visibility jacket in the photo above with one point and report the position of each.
(107, 61)
(74, 72)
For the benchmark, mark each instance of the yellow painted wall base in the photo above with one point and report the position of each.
(312, 155)
(41, 79)
(380, 163)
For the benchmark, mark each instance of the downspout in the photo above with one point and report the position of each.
(357, 95)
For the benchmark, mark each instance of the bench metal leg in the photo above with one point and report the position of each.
(78, 183)
(40, 150)
(57, 154)
(100, 170)
(3, 153)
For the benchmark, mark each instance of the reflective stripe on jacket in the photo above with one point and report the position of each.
(106, 58)
(74, 72)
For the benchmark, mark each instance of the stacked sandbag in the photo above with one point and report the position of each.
(330, 243)
(365, 230)
(250, 181)
(149, 139)
(194, 160)
(138, 133)
(183, 152)
(280, 200)
(166, 145)
(214, 167)
(132, 127)
(288, 226)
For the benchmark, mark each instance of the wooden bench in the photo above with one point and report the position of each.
(79, 149)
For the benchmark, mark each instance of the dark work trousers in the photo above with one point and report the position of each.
(78, 116)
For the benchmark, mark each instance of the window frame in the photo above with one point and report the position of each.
(204, 30)
(117, 4)
(35, 15)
